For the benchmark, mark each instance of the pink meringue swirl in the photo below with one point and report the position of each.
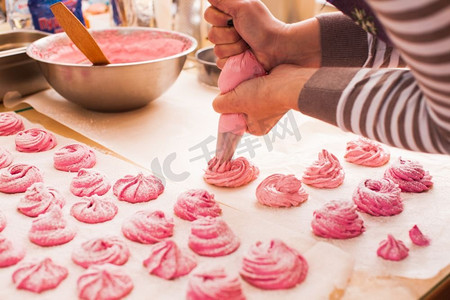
(72, 158)
(39, 199)
(2, 221)
(98, 251)
(392, 249)
(104, 282)
(89, 182)
(337, 220)
(138, 188)
(167, 261)
(40, 276)
(148, 227)
(94, 209)
(280, 190)
(10, 254)
(325, 173)
(409, 175)
(273, 265)
(417, 237)
(6, 158)
(235, 173)
(35, 140)
(10, 123)
(196, 203)
(18, 178)
(378, 197)
(213, 283)
(367, 153)
(212, 237)
(51, 229)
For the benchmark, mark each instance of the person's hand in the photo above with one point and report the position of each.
(264, 100)
(272, 41)
(254, 26)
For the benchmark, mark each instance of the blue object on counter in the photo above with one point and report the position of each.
(43, 18)
(115, 14)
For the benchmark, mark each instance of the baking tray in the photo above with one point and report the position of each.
(18, 72)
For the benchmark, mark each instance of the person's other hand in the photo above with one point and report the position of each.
(254, 26)
(264, 100)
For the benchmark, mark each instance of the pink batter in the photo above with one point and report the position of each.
(212, 237)
(410, 176)
(234, 123)
(273, 266)
(392, 249)
(38, 277)
(213, 283)
(2, 221)
(39, 199)
(89, 182)
(98, 251)
(120, 48)
(72, 158)
(378, 197)
(235, 173)
(10, 123)
(6, 158)
(104, 282)
(94, 209)
(167, 261)
(18, 178)
(196, 203)
(51, 229)
(35, 140)
(237, 69)
(279, 190)
(140, 188)
(325, 173)
(10, 253)
(367, 153)
(337, 220)
(418, 238)
(148, 227)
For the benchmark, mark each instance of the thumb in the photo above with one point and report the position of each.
(227, 103)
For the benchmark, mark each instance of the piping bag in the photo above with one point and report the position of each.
(232, 127)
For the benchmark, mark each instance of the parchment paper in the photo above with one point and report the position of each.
(166, 124)
(182, 118)
(330, 267)
(429, 210)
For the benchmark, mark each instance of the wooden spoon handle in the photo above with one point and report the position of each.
(79, 34)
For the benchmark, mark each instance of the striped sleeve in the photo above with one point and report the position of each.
(345, 44)
(380, 55)
(407, 108)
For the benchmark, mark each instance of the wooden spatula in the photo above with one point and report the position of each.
(79, 34)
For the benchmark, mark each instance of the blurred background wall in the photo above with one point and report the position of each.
(291, 11)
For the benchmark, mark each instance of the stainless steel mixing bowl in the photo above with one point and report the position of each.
(18, 72)
(208, 72)
(115, 87)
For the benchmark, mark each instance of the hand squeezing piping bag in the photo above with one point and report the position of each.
(232, 127)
